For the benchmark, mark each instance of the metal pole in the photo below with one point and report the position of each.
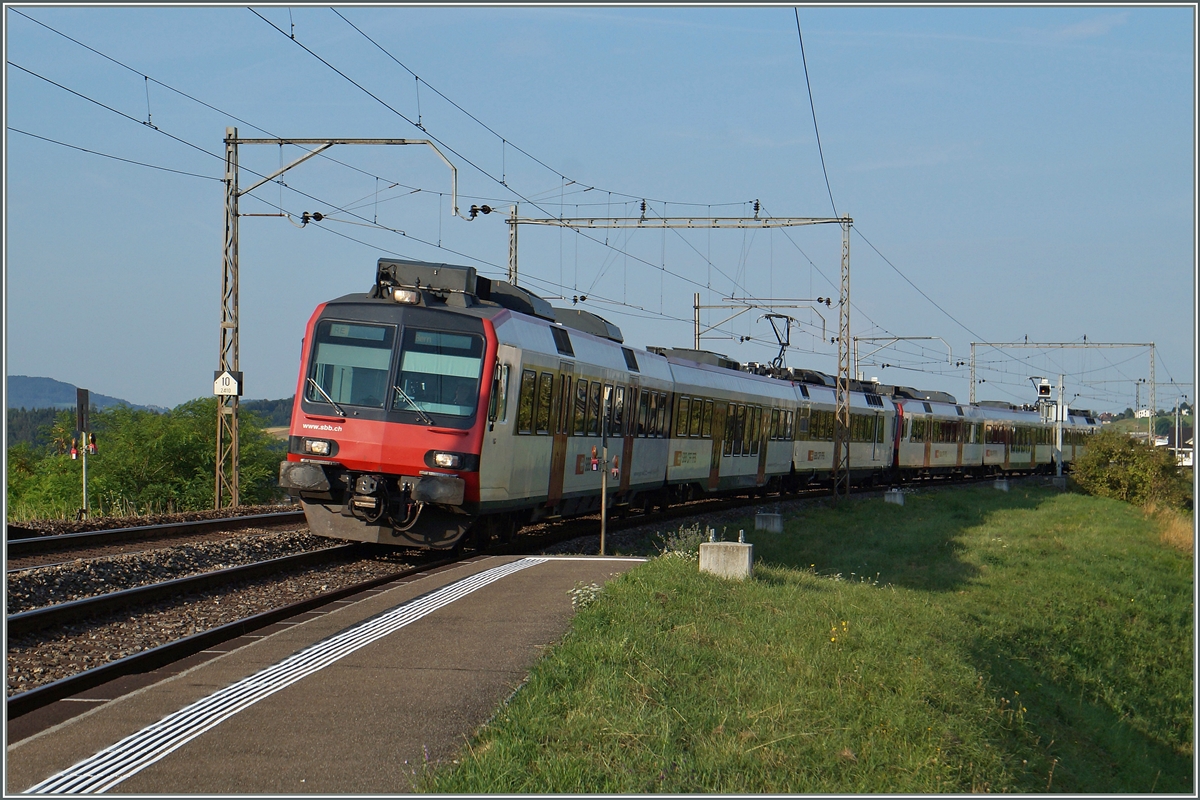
(1176, 429)
(603, 476)
(83, 438)
(1058, 422)
(972, 373)
(226, 483)
(696, 317)
(841, 416)
(512, 245)
(1153, 408)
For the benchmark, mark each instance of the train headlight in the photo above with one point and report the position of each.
(447, 460)
(407, 296)
(318, 447)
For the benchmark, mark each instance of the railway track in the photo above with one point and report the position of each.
(23, 541)
(84, 608)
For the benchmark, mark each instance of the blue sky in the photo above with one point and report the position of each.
(1029, 169)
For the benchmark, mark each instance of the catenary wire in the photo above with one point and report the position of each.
(115, 158)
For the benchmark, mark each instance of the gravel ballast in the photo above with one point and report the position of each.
(44, 586)
(41, 657)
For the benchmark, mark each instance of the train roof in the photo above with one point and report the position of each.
(463, 288)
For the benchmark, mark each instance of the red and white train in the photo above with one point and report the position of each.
(441, 403)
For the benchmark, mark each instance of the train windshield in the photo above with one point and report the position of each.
(439, 372)
(351, 364)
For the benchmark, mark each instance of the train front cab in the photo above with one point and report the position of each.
(388, 422)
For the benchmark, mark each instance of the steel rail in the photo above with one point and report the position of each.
(74, 610)
(31, 543)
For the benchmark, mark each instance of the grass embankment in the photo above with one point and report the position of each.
(969, 640)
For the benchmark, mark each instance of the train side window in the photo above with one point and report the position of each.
(801, 426)
(774, 423)
(730, 421)
(593, 423)
(664, 412)
(739, 431)
(498, 404)
(562, 341)
(617, 429)
(697, 417)
(643, 413)
(545, 394)
(608, 407)
(580, 426)
(706, 424)
(631, 416)
(682, 410)
(756, 430)
(525, 402)
(564, 406)
(787, 425)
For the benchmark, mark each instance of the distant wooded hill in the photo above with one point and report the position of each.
(32, 404)
(26, 392)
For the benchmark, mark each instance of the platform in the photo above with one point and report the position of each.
(354, 701)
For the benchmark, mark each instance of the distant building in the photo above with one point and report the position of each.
(1141, 413)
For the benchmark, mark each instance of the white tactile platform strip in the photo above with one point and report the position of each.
(131, 755)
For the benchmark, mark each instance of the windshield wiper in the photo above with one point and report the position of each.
(413, 403)
(317, 386)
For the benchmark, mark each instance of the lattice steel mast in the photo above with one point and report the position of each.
(841, 414)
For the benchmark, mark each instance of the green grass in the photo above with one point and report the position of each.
(972, 640)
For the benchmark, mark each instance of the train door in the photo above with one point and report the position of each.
(759, 445)
(876, 436)
(927, 438)
(897, 434)
(628, 430)
(719, 439)
(559, 425)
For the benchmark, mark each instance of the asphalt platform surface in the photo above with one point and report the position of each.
(356, 698)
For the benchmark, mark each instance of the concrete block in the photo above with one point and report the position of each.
(894, 496)
(1059, 482)
(727, 559)
(768, 522)
(1001, 484)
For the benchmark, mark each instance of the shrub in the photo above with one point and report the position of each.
(1117, 466)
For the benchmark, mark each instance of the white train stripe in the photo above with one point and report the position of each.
(137, 751)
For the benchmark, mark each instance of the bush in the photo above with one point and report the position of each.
(1117, 466)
